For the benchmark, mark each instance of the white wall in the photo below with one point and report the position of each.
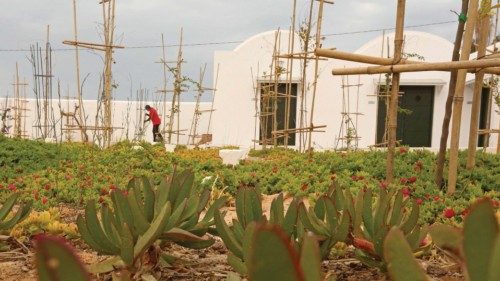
(234, 122)
(119, 109)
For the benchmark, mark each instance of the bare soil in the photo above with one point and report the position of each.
(210, 263)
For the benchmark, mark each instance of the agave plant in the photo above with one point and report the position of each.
(171, 212)
(372, 223)
(7, 222)
(249, 213)
(476, 247)
(329, 219)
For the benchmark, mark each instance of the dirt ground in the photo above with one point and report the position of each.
(211, 264)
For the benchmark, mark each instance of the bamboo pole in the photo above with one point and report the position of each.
(458, 99)
(393, 100)
(433, 66)
(315, 79)
(83, 133)
(164, 90)
(445, 129)
(304, 75)
(484, 32)
(291, 49)
(334, 54)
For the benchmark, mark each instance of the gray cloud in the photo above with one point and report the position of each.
(141, 22)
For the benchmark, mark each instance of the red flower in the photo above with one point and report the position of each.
(403, 181)
(402, 150)
(125, 192)
(496, 204)
(383, 184)
(104, 192)
(46, 187)
(35, 195)
(412, 179)
(1, 186)
(406, 192)
(436, 198)
(304, 187)
(45, 200)
(448, 213)
(12, 187)
(101, 199)
(112, 187)
(275, 169)
(419, 201)
(427, 196)
(333, 177)
(360, 178)
(354, 178)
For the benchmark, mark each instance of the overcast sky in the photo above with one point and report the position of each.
(140, 23)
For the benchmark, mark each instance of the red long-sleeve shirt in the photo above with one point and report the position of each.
(153, 115)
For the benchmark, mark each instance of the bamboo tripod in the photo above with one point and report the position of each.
(19, 106)
(193, 131)
(348, 137)
(175, 109)
(397, 65)
(108, 13)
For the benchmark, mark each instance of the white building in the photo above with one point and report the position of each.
(424, 93)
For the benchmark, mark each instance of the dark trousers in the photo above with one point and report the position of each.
(156, 133)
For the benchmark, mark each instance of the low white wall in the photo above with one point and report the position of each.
(126, 116)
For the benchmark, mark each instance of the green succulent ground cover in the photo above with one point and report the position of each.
(51, 174)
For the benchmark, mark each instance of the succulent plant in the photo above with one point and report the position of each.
(272, 256)
(237, 237)
(476, 247)
(327, 221)
(7, 222)
(56, 261)
(372, 223)
(171, 212)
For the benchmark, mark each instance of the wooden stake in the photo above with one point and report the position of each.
(445, 129)
(393, 100)
(458, 99)
(484, 33)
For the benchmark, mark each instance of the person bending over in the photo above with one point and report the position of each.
(155, 119)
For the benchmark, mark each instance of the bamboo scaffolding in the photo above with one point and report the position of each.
(348, 131)
(193, 131)
(482, 38)
(178, 83)
(19, 107)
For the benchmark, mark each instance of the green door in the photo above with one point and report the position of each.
(414, 116)
(267, 107)
(483, 116)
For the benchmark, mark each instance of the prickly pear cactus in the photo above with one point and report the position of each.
(56, 261)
